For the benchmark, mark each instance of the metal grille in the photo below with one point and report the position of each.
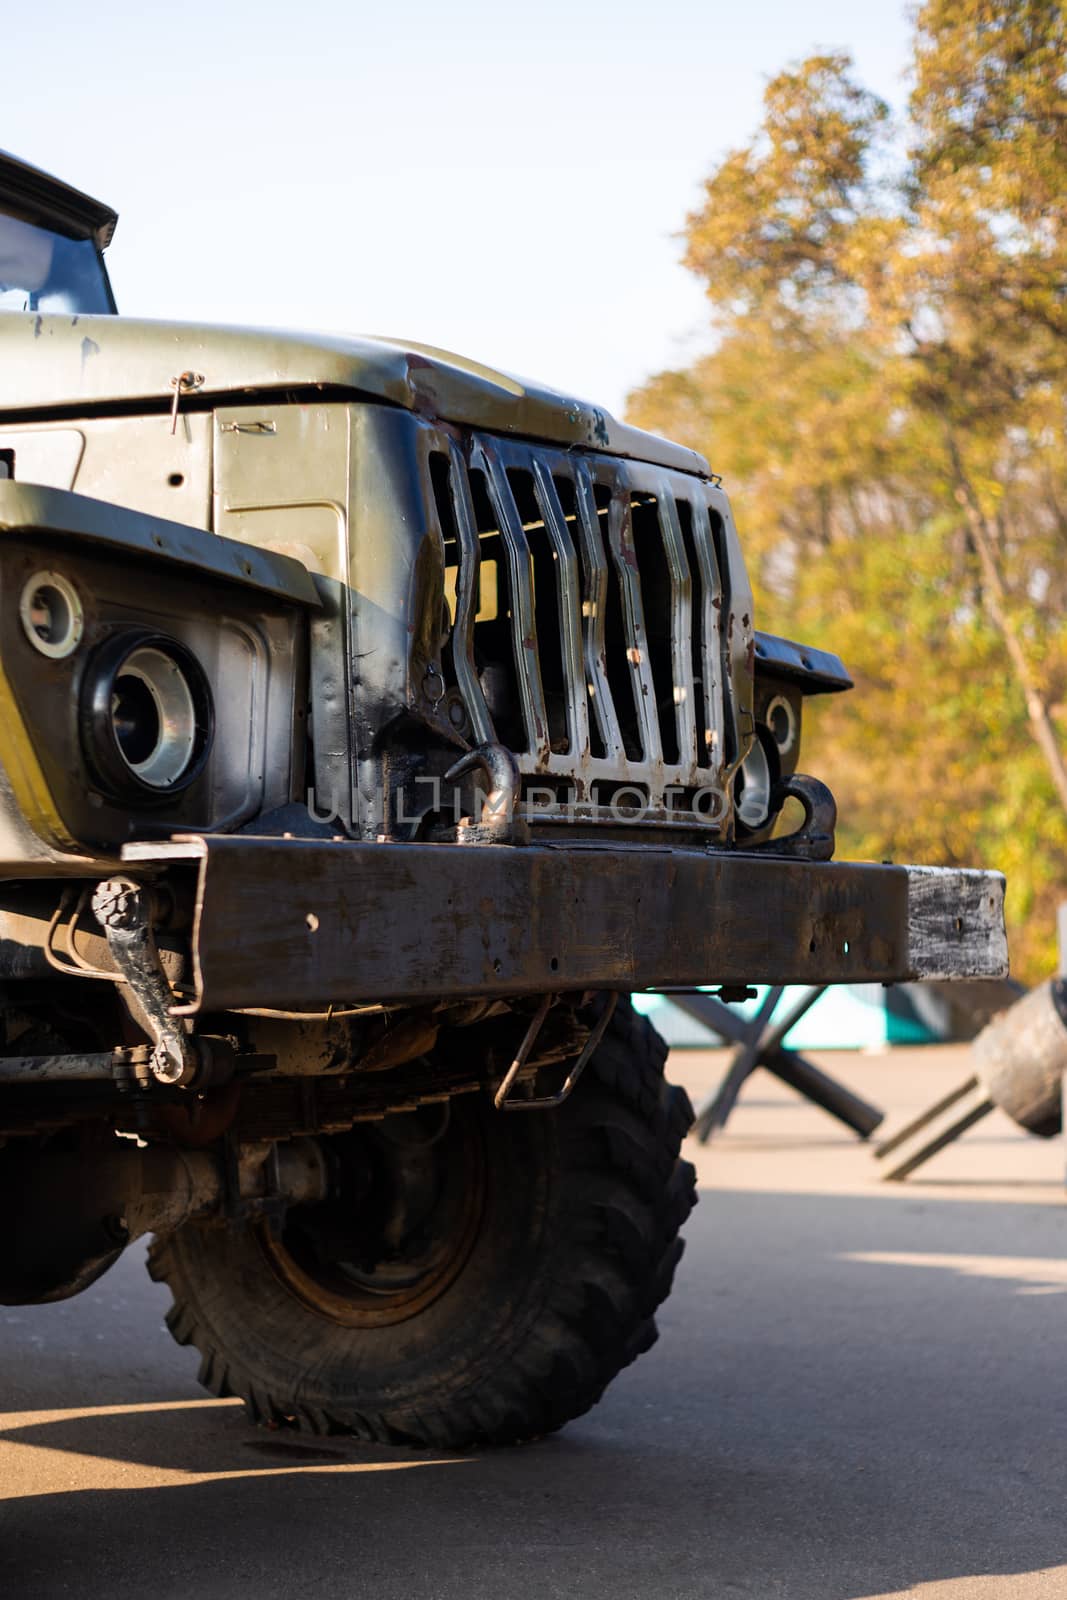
(589, 606)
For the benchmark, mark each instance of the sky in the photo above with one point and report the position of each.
(506, 181)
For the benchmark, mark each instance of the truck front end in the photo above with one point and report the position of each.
(374, 724)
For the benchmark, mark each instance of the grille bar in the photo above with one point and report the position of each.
(713, 740)
(523, 623)
(684, 690)
(594, 642)
(620, 536)
(467, 599)
(569, 593)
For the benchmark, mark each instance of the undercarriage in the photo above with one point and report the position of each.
(183, 1044)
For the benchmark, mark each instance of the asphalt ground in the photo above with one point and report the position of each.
(858, 1392)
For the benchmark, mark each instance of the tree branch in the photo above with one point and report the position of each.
(998, 607)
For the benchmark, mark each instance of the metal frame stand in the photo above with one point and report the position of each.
(928, 1133)
(943, 1123)
(760, 1044)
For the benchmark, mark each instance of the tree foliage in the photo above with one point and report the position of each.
(886, 396)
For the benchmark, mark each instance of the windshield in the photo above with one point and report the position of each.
(45, 271)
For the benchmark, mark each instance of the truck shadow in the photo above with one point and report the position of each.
(852, 1396)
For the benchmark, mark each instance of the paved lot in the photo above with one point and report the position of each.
(858, 1392)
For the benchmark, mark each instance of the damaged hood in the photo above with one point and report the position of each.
(77, 365)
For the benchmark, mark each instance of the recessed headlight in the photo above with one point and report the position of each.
(146, 714)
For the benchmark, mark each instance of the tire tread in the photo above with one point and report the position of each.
(622, 1145)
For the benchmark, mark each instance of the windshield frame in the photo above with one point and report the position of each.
(50, 272)
(31, 196)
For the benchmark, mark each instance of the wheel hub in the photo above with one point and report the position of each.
(406, 1201)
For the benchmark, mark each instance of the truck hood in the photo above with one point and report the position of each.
(78, 365)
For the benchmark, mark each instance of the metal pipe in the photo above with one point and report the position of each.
(1020, 1066)
(96, 1066)
(822, 1090)
(1021, 1058)
(915, 1145)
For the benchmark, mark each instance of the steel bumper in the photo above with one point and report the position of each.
(301, 924)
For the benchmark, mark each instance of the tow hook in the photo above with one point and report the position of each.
(500, 822)
(177, 1057)
(814, 839)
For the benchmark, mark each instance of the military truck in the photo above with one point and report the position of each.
(374, 725)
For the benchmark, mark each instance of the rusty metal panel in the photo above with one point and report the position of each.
(301, 924)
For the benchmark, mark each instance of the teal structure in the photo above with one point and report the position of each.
(855, 1016)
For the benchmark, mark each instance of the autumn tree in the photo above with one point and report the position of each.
(885, 394)
(982, 292)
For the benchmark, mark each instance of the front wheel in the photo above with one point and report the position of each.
(474, 1278)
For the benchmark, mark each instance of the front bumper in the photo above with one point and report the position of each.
(302, 924)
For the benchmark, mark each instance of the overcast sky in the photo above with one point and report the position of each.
(502, 180)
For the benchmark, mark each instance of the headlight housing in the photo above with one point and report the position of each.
(147, 717)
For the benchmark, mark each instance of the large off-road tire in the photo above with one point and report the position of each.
(524, 1258)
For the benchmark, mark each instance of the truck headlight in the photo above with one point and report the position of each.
(146, 715)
